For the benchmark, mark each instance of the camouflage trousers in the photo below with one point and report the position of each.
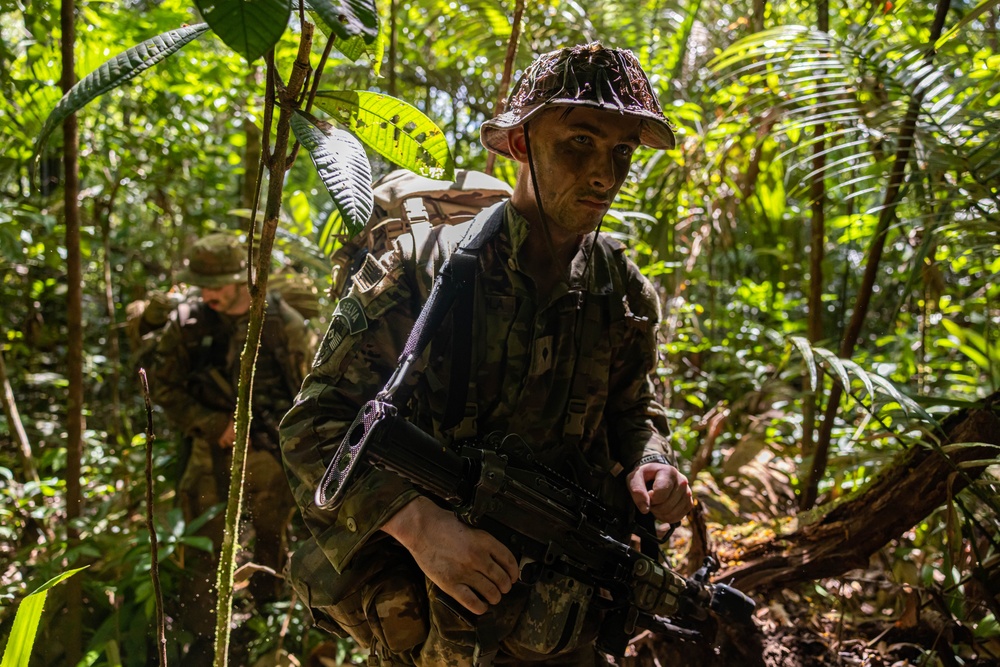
(268, 508)
(389, 607)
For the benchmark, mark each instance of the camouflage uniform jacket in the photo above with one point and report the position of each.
(196, 365)
(523, 358)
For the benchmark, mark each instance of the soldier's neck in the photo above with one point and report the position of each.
(547, 260)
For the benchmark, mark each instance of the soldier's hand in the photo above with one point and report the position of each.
(662, 490)
(228, 437)
(468, 564)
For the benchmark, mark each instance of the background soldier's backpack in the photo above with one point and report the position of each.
(403, 198)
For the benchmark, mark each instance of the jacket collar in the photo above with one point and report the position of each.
(600, 279)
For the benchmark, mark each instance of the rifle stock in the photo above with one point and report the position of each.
(548, 522)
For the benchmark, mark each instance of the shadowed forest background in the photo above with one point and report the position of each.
(825, 238)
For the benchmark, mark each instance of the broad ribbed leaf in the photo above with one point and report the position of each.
(115, 72)
(392, 128)
(347, 18)
(249, 27)
(343, 167)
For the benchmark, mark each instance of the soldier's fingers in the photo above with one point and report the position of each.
(668, 485)
(675, 507)
(498, 575)
(467, 597)
(505, 559)
(485, 587)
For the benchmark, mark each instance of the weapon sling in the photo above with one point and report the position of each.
(454, 282)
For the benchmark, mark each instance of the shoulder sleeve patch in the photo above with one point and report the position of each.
(353, 315)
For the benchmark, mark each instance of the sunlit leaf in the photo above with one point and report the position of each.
(343, 167)
(861, 375)
(355, 47)
(115, 72)
(392, 128)
(836, 364)
(249, 27)
(22, 634)
(978, 11)
(958, 446)
(807, 355)
(907, 403)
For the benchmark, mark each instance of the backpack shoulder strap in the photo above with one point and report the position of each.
(456, 276)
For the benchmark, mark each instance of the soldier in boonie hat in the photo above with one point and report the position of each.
(560, 334)
(589, 75)
(215, 260)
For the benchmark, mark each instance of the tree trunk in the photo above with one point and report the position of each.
(861, 303)
(817, 248)
(757, 16)
(393, 47)
(277, 166)
(14, 424)
(74, 340)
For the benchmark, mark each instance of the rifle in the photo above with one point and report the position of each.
(554, 526)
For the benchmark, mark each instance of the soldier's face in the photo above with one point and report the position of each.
(581, 158)
(227, 299)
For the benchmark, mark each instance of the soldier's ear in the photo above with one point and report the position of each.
(516, 144)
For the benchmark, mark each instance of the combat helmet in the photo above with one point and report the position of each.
(589, 75)
(214, 261)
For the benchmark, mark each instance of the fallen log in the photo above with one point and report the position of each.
(841, 537)
(845, 536)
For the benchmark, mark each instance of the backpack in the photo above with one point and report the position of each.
(403, 198)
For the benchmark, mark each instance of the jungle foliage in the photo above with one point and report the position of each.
(825, 238)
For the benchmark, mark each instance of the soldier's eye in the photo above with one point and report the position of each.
(624, 150)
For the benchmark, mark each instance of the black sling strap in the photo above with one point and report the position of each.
(455, 281)
(456, 277)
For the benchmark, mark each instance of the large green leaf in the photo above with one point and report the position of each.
(22, 635)
(392, 128)
(115, 72)
(347, 18)
(249, 27)
(343, 167)
(354, 47)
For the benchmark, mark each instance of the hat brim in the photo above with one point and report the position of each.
(654, 133)
(221, 280)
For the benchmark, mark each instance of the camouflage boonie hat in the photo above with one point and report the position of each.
(583, 76)
(216, 260)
